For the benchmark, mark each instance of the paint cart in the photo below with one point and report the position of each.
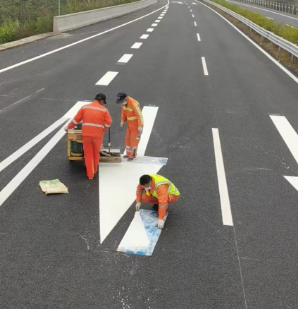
(75, 151)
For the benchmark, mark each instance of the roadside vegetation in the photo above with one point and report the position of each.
(23, 18)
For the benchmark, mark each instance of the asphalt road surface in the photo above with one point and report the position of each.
(278, 16)
(208, 81)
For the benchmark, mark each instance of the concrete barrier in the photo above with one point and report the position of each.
(72, 21)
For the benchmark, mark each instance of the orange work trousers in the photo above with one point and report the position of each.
(131, 141)
(91, 154)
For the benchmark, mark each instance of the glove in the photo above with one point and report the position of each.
(138, 205)
(160, 223)
(140, 130)
(65, 127)
(121, 124)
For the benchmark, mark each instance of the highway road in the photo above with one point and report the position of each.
(226, 121)
(277, 16)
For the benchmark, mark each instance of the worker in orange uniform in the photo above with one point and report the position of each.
(95, 120)
(159, 191)
(131, 112)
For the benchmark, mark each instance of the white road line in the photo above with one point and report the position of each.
(154, 25)
(222, 182)
(144, 36)
(17, 154)
(290, 74)
(191, 10)
(125, 58)
(195, 24)
(39, 90)
(107, 78)
(159, 17)
(288, 134)
(78, 42)
(157, 21)
(204, 66)
(192, 15)
(19, 101)
(199, 39)
(150, 29)
(137, 45)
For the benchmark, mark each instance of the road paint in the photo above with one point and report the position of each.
(107, 78)
(199, 39)
(144, 36)
(150, 29)
(113, 206)
(125, 58)
(222, 182)
(40, 90)
(15, 103)
(204, 66)
(191, 10)
(293, 181)
(78, 42)
(193, 15)
(157, 21)
(288, 134)
(195, 24)
(159, 17)
(137, 45)
(17, 154)
(154, 25)
(290, 74)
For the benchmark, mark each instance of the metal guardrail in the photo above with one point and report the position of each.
(278, 6)
(277, 40)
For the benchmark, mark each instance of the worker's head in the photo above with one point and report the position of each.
(122, 98)
(146, 182)
(101, 98)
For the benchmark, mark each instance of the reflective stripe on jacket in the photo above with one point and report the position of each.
(132, 113)
(95, 119)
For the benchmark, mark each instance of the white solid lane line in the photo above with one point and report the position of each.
(144, 36)
(222, 182)
(195, 24)
(198, 36)
(204, 66)
(18, 153)
(125, 58)
(150, 29)
(78, 42)
(154, 25)
(137, 45)
(107, 78)
(288, 134)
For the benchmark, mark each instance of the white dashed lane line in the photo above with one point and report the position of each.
(144, 36)
(107, 78)
(199, 38)
(125, 58)
(150, 29)
(204, 66)
(137, 45)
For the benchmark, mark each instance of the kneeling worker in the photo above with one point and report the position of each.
(159, 191)
(95, 120)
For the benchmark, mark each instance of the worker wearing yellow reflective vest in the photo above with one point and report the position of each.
(131, 112)
(159, 191)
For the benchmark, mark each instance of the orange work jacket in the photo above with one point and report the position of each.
(95, 119)
(132, 113)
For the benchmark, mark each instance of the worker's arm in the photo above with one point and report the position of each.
(162, 196)
(138, 113)
(140, 191)
(123, 116)
(107, 120)
(77, 119)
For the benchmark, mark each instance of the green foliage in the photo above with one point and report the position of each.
(22, 18)
(287, 32)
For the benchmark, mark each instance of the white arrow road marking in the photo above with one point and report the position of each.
(22, 175)
(118, 182)
(69, 115)
(222, 182)
(288, 134)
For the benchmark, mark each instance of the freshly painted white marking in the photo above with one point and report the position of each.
(192, 15)
(204, 66)
(136, 235)
(195, 24)
(154, 25)
(17, 154)
(150, 29)
(293, 181)
(125, 58)
(113, 206)
(222, 182)
(77, 42)
(107, 78)
(144, 36)
(199, 39)
(290, 74)
(137, 45)
(288, 134)
(157, 21)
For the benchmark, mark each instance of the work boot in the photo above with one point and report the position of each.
(126, 156)
(155, 207)
(129, 159)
